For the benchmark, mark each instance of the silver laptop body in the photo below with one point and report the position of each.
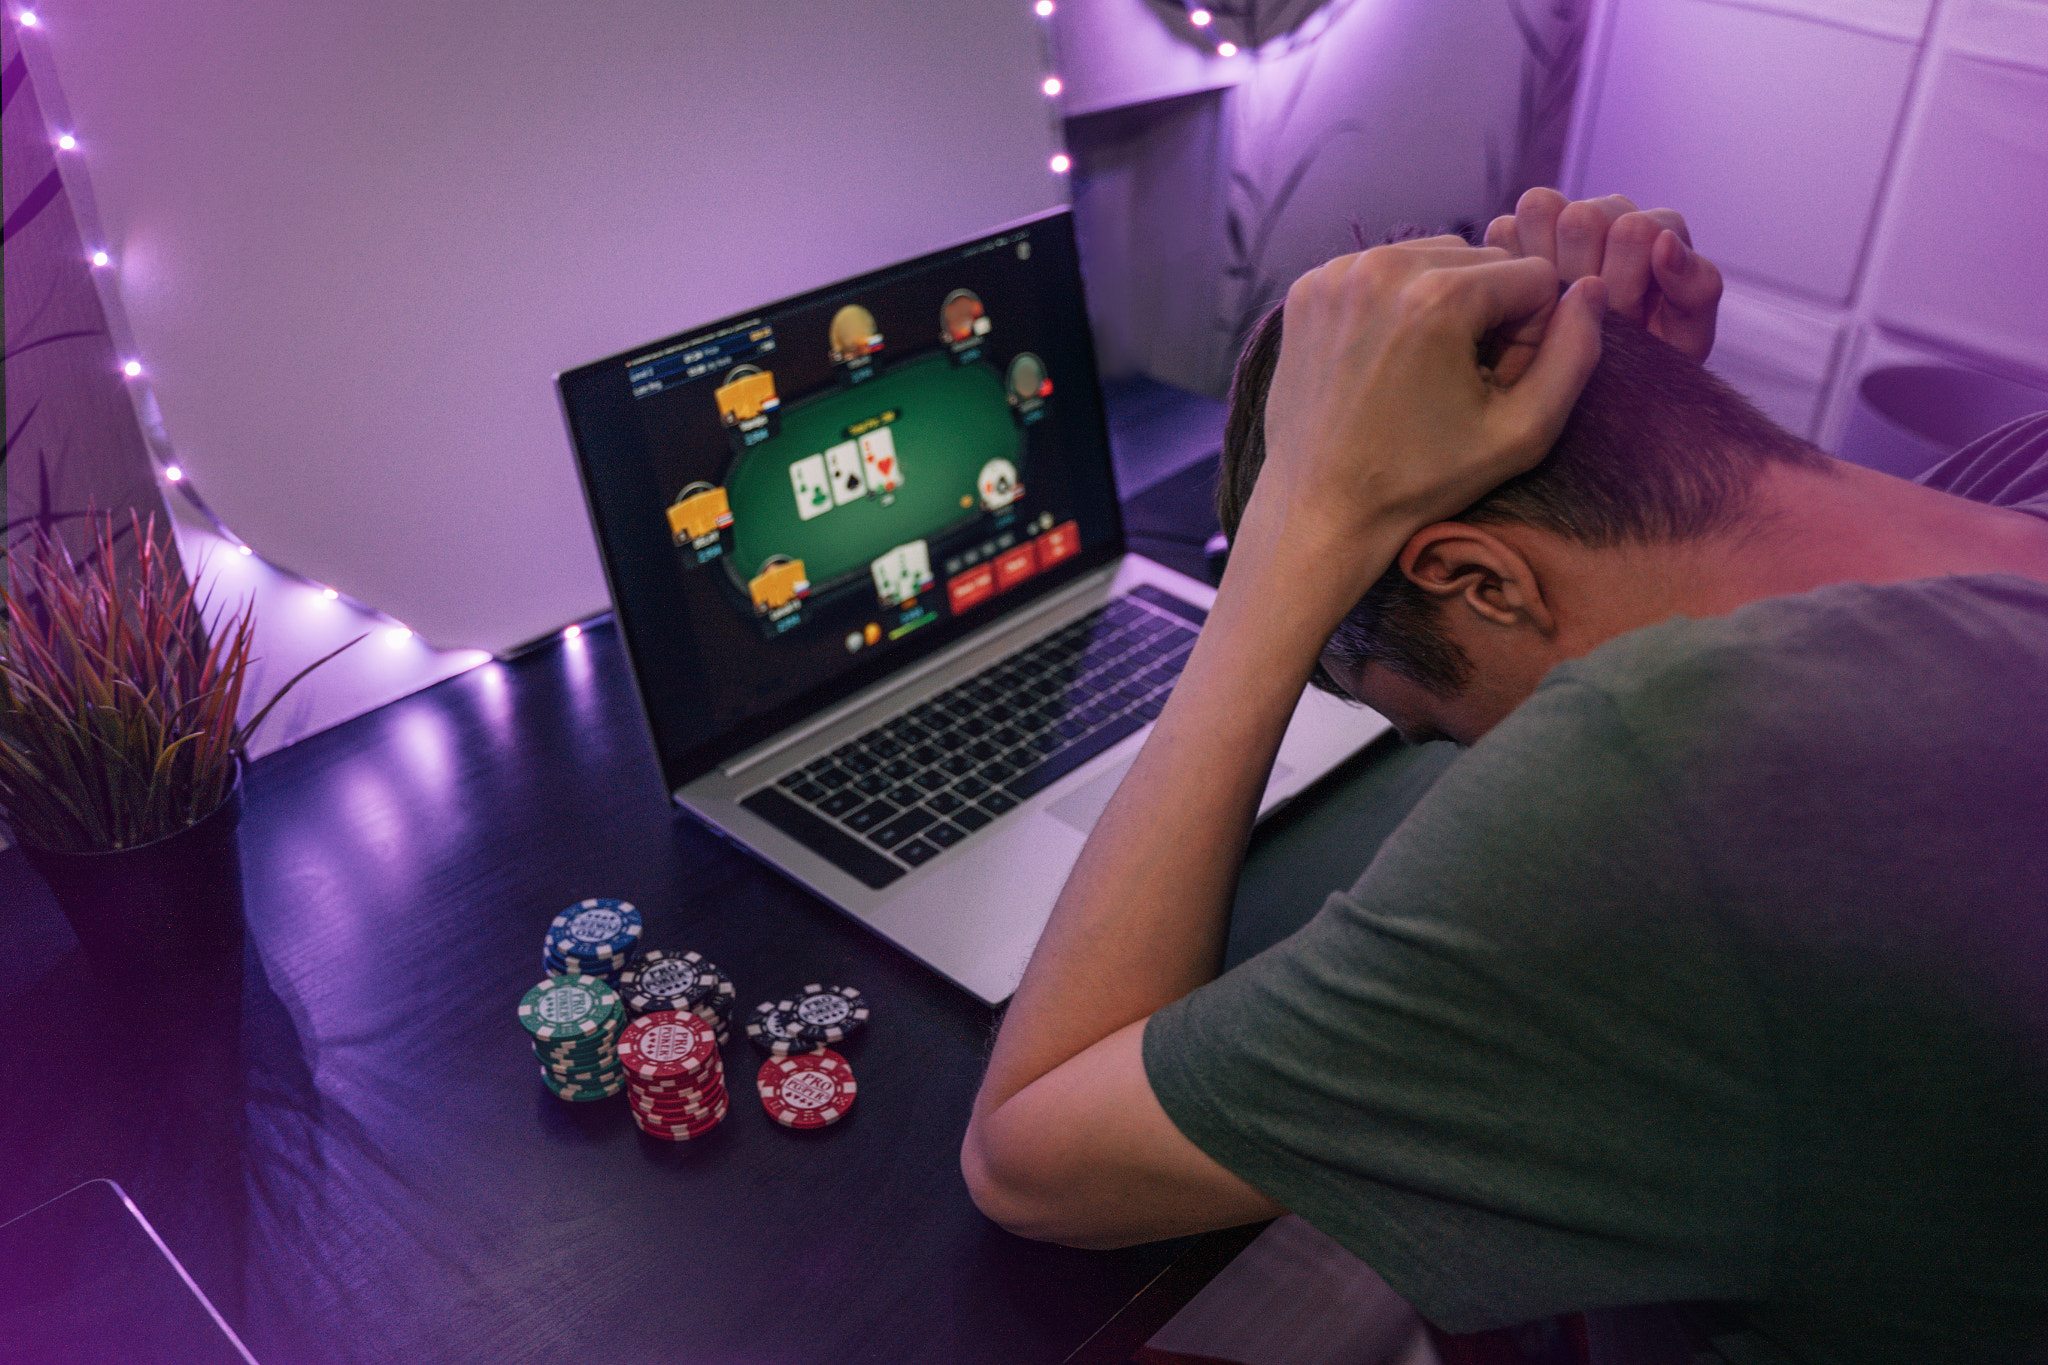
(973, 910)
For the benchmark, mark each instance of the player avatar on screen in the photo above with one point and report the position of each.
(961, 317)
(700, 510)
(747, 393)
(853, 333)
(780, 582)
(998, 485)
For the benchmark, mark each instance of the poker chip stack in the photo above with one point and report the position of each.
(592, 938)
(661, 980)
(806, 1089)
(675, 1081)
(809, 1021)
(574, 1023)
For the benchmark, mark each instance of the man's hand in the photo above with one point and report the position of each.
(1645, 255)
(1381, 418)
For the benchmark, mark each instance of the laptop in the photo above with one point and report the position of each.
(866, 557)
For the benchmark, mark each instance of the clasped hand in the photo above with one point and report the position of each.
(1382, 417)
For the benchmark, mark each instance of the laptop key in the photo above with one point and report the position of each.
(956, 765)
(833, 778)
(945, 835)
(917, 852)
(834, 845)
(868, 816)
(971, 818)
(931, 780)
(841, 801)
(945, 803)
(995, 803)
(808, 790)
(904, 795)
(902, 827)
(871, 784)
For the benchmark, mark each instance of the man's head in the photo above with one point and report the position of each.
(1657, 452)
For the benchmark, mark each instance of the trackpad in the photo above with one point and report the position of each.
(1083, 806)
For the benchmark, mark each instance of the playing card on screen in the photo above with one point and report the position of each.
(813, 491)
(878, 452)
(849, 475)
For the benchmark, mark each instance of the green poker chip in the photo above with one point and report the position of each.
(569, 1007)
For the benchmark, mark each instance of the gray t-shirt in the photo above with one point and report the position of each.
(1717, 973)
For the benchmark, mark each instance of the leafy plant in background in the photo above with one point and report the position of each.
(117, 716)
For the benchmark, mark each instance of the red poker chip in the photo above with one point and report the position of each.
(680, 1112)
(666, 1045)
(806, 1089)
(679, 1132)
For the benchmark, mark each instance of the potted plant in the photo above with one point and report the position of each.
(120, 758)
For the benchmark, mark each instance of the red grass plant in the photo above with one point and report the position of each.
(117, 716)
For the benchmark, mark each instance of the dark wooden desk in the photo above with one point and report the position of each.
(360, 1162)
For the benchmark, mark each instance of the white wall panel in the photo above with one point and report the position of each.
(1770, 133)
(356, 241)
(1779, 354)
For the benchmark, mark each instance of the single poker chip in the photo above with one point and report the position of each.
(773, 1029)
(668, 1044)
(660, 980)
(827, 1014)
(807, 1090)
(687, 1128)
(568, 1007)
(600, 926)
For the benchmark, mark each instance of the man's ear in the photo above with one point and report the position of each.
(1456, 562)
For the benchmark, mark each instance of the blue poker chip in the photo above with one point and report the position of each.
(601, 927)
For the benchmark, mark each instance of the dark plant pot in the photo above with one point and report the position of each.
(162, 917)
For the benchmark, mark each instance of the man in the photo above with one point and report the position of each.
(1712, 974)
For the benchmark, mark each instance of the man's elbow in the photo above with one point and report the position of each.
(1020, 1199)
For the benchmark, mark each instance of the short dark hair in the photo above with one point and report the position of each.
(1656, 449)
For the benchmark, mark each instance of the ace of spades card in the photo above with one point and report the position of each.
(813, 489)
(878, 453)
(849, 475)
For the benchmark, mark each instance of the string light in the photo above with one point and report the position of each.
(1043, 9)
(1052, 85)
(173, 473)
(572, 633)
(1226, 49)
(28, 19)
(67, 143)
(244, 549)
(133, 369)
(101, 259)
(1062, 163)
(329, 593)
(1200, 18)
(400, 634)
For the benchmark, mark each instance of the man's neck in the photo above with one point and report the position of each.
(1808, 529)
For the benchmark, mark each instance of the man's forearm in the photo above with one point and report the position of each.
(1143, 917)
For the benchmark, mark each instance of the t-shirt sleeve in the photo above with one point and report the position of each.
(2005, 468)
(1517, 1069)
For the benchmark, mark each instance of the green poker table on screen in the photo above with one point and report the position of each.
(949, 421)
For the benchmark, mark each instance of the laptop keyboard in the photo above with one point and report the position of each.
(914, 786)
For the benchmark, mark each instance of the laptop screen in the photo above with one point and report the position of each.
(795, 501)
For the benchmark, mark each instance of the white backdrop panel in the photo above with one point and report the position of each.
(355, 241)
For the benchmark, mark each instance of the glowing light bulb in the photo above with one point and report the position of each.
(1226, 49)
(572, 633)
(28, 19)
(1062, 163)
(174, 473)
(1200, 18)
(67, 143)
(101, 258)
(243, 549)
(400, 634)
(132, 369)
(1052, 85)
(329, 593)
(1043, 9)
